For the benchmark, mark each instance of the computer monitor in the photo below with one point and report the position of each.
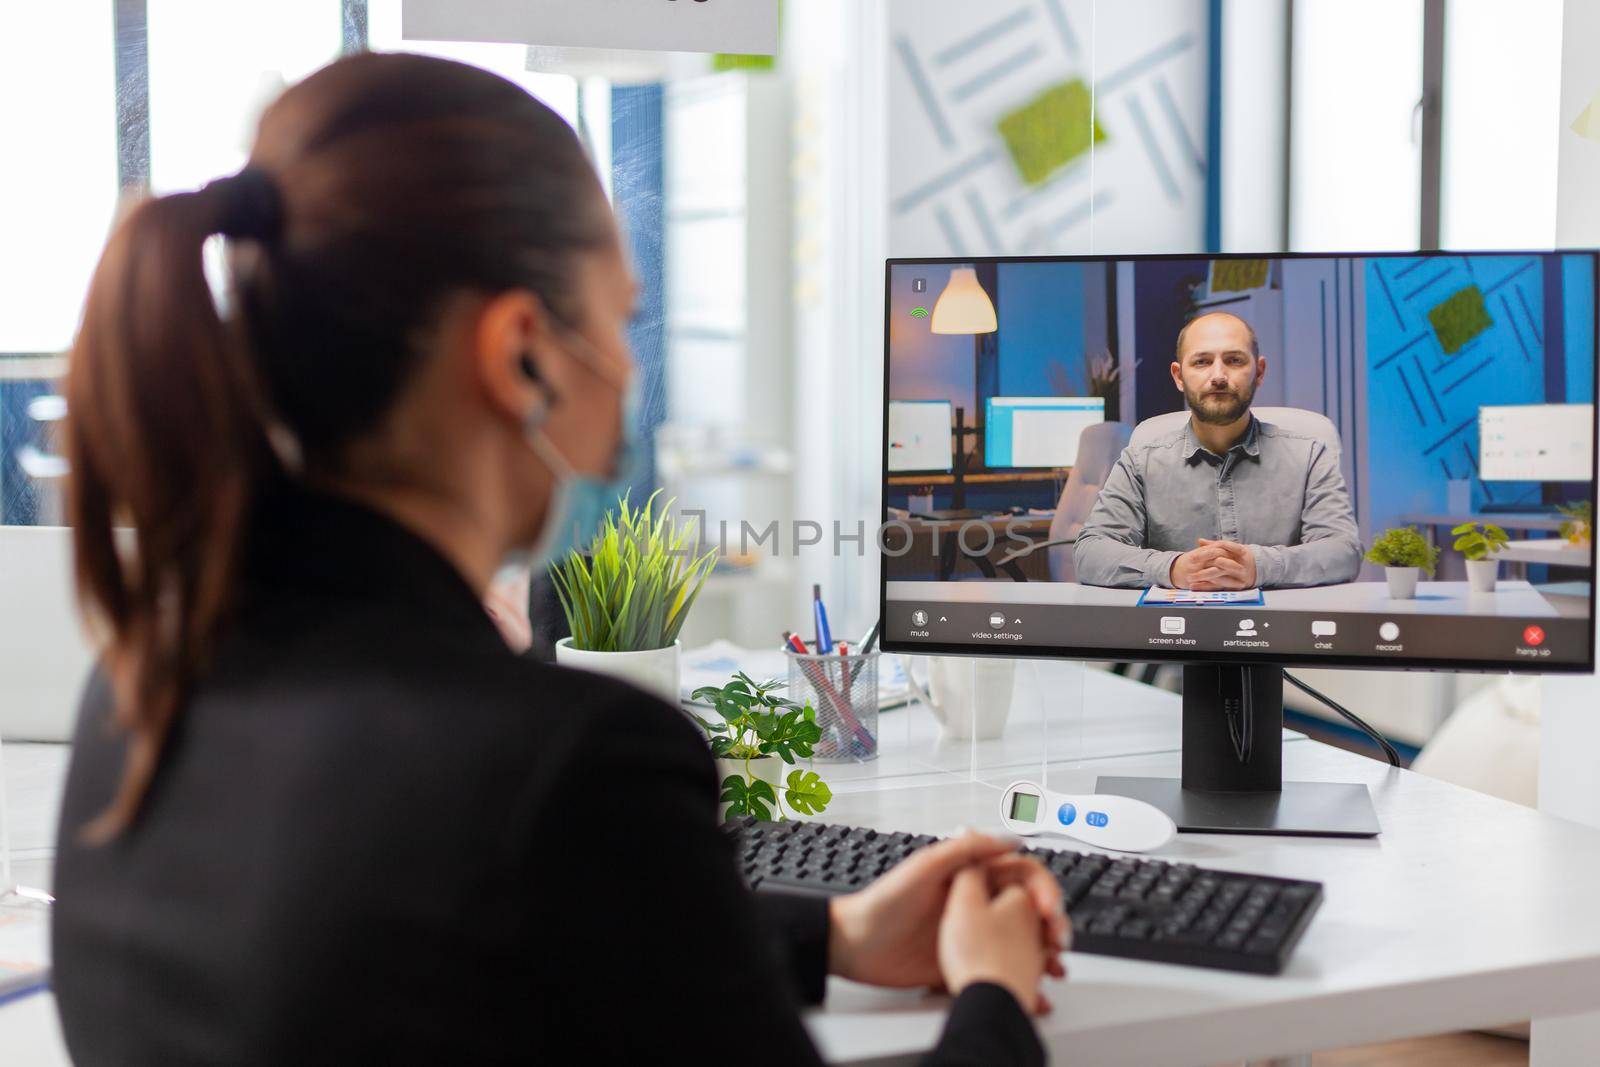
(1326, 420)
(1536, 442)
(1037, 431)
(918, 437)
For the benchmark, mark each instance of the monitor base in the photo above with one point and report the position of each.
(1300, 809)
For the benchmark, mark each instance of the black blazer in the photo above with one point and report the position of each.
(378, 836)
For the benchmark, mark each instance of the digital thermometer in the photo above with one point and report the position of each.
(1119, 823)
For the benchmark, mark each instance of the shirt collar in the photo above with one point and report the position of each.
(1250, 445)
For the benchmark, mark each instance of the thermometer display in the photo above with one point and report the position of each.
(1025, 806)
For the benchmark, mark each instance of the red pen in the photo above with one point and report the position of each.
(844, 669)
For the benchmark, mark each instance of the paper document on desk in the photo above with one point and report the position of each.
(716, 663)
(24, 949)
(1196, 598)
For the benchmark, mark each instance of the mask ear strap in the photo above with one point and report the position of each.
(542, 447)
(591, 359)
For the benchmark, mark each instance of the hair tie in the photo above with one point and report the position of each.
(251, 205)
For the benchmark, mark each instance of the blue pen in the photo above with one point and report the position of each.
(824, 638)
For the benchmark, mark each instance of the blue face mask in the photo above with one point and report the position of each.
(579, 502)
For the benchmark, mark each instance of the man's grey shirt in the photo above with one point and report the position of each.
(1278, 491)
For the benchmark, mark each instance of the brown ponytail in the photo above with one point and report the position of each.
(378, 188)
(172, 453)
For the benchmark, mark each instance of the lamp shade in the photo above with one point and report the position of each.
(964, 307)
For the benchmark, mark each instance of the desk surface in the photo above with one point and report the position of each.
(1510, 520)
(1467, 911)
(1552, 551)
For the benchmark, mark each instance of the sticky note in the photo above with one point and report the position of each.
(1050, 131)
(1461, 317)
(1587, 124)
(1237, 275)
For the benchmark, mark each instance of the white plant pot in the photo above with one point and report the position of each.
(971, 698)
(1402, 582)
(654, 670)
(1482, 573)
(769, 769)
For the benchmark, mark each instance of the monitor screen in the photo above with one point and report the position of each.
(1250, 459)
(1535, 442)
(1037, 431)
(919, 436)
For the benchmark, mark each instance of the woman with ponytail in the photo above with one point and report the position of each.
(318, 812)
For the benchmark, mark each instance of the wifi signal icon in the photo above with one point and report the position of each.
(919, 313)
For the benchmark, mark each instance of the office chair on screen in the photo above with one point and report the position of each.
(1311, 423)
(1098, 451)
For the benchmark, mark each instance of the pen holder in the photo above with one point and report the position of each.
(844, 692)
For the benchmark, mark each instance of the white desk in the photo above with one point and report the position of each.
(1551, 551)
(1510, 520)
(1468, 911)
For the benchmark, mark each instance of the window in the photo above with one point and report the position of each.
(1369, 171)
(1502, 90)
(58, 193)
(1355, 131)
(214, 68)
(58, 188)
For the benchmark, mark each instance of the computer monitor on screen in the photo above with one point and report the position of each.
(1037, 431)
(1284, 414)
(919, 437)
(1536, 442)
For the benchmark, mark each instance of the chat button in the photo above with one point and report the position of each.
(1324, 628)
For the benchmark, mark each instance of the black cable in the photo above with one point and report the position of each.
(1239, 714)
(1355, 720)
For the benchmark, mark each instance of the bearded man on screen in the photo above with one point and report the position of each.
(1225, 501)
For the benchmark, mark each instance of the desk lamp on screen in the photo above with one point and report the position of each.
(1231, 528)
(964, 309)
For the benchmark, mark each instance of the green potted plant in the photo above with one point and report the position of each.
(758, 734)
(626, 596)
(1404, 554)
(1579, 525)
(1481, 544)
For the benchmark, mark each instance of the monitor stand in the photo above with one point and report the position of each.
(1233, 766)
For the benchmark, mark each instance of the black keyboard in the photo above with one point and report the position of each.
(1125, 906)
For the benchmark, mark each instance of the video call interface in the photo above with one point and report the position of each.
(1181, 456)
